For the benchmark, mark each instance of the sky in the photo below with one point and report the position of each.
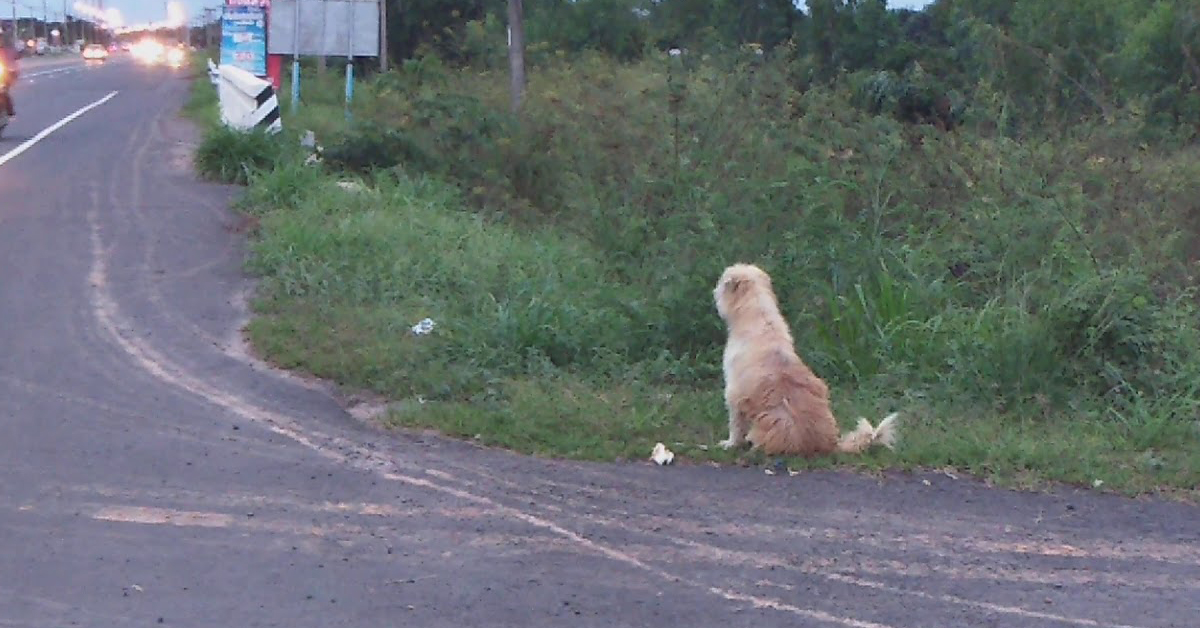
(140, 11)
(134, 11)
(149, 10)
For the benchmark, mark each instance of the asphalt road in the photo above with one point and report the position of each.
(151, 473)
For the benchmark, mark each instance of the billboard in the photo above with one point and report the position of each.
(325, 27)
(244, 38)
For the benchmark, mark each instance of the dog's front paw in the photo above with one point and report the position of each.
(728, 443)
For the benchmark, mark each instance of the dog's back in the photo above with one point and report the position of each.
(787, 406)
(775, 401)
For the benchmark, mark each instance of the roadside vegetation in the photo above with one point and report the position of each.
(983, 216)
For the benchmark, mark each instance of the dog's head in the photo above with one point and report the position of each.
(739, 285)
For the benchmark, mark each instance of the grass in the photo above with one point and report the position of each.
(201, 105)
(1024, 303)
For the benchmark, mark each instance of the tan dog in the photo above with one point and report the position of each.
(775, 401)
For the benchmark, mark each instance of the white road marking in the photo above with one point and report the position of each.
(24, 146)
(136, 514)
(354, 455)
(71, 68)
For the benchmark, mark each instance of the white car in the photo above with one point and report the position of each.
(95, 52)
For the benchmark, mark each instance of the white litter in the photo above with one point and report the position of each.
(424, 327)
(309, 141)
(351, 186)
(661, 455)
(1097, 483)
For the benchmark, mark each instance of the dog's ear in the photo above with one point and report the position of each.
(735, 285)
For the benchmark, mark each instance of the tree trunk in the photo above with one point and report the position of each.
(516, 53)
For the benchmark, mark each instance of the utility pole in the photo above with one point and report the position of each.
(516, 53)
(208, 11)
(383, 42)
(321, 60)
(14, 24)
(167, 11)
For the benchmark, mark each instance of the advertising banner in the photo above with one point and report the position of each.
(244, 38)
(331, 28)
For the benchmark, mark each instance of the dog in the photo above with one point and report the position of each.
(774, 400)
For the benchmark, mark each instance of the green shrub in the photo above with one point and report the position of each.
(888, 243)
(998, 280)
(364, 150)
(232, 156)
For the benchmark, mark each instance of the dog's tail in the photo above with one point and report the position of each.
(864, 436)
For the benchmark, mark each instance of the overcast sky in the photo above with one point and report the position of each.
(147, 10)
(139, 11)
(134, 11)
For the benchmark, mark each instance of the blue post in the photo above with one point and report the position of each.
(349, 86)
(295, 83)
(350, 60)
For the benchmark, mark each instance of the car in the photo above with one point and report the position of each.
(176, 56)
(95, 52)
(149, 51)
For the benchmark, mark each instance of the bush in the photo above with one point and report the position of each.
(233, 156)
(901, 253)
(364, 150)
(998, 278)
(505, 301)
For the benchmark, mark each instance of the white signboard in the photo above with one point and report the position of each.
(324, 27)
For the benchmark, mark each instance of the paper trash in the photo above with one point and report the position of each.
(661, 455)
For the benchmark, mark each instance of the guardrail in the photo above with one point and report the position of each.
(246, 101)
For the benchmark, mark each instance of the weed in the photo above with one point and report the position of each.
(233, 156)
(1015, 299)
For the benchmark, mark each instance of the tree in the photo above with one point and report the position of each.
(854, 34)
(1160, 61)
(516, 53)
(766, 22)
(614, 27)
(431, 24)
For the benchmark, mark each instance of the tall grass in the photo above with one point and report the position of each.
(1000, 291)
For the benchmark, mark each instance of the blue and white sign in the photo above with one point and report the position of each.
(244, 38)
